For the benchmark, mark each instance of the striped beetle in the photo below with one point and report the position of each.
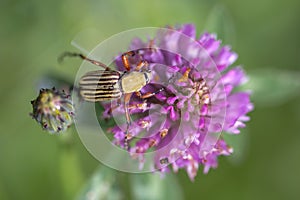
(109, 84)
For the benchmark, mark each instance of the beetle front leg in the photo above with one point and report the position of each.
(128, 120)
(141, 64)
(148, 94)
(125, 59)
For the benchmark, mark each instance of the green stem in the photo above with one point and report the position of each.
(70, 171)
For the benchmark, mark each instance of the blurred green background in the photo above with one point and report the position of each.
(36, 165)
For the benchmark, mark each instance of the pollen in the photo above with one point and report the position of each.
(144, 123)
(163, 133)
(152, 143)
(185, 76)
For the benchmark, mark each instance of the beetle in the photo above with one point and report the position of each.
(108, 84)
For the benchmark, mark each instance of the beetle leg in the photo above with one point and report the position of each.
(148, 94)
(111, 109)
(141, 64)
(128, 120)
(95, 62)
(125, 59)
(138, 106)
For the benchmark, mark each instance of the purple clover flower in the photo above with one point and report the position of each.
(182, 123)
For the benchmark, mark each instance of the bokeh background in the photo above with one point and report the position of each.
(36, 165)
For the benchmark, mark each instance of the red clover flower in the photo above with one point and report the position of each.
(195, 102)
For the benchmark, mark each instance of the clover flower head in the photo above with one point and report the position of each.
(196, 101)
(53, 110)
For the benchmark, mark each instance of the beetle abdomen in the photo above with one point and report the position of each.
(100, 86)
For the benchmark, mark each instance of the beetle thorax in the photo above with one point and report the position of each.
(134, 81)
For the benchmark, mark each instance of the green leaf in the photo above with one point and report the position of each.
(219, 21)
(102, 185)
(153, 186)
(272, 87)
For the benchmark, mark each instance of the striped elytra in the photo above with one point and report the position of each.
(100, 85)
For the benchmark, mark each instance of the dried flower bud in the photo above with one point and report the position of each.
(53, 110)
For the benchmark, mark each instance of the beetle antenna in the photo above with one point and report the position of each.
(61, 58)
(83, 57)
